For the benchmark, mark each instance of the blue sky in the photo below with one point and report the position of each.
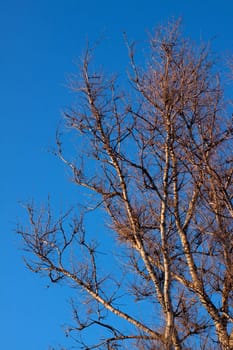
(39, 43)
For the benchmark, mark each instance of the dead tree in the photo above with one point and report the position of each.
(158, 160)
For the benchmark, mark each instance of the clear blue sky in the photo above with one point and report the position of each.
(39, 41)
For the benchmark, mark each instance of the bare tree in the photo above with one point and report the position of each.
(158, 160)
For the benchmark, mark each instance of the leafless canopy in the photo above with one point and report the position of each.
(158, 160)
